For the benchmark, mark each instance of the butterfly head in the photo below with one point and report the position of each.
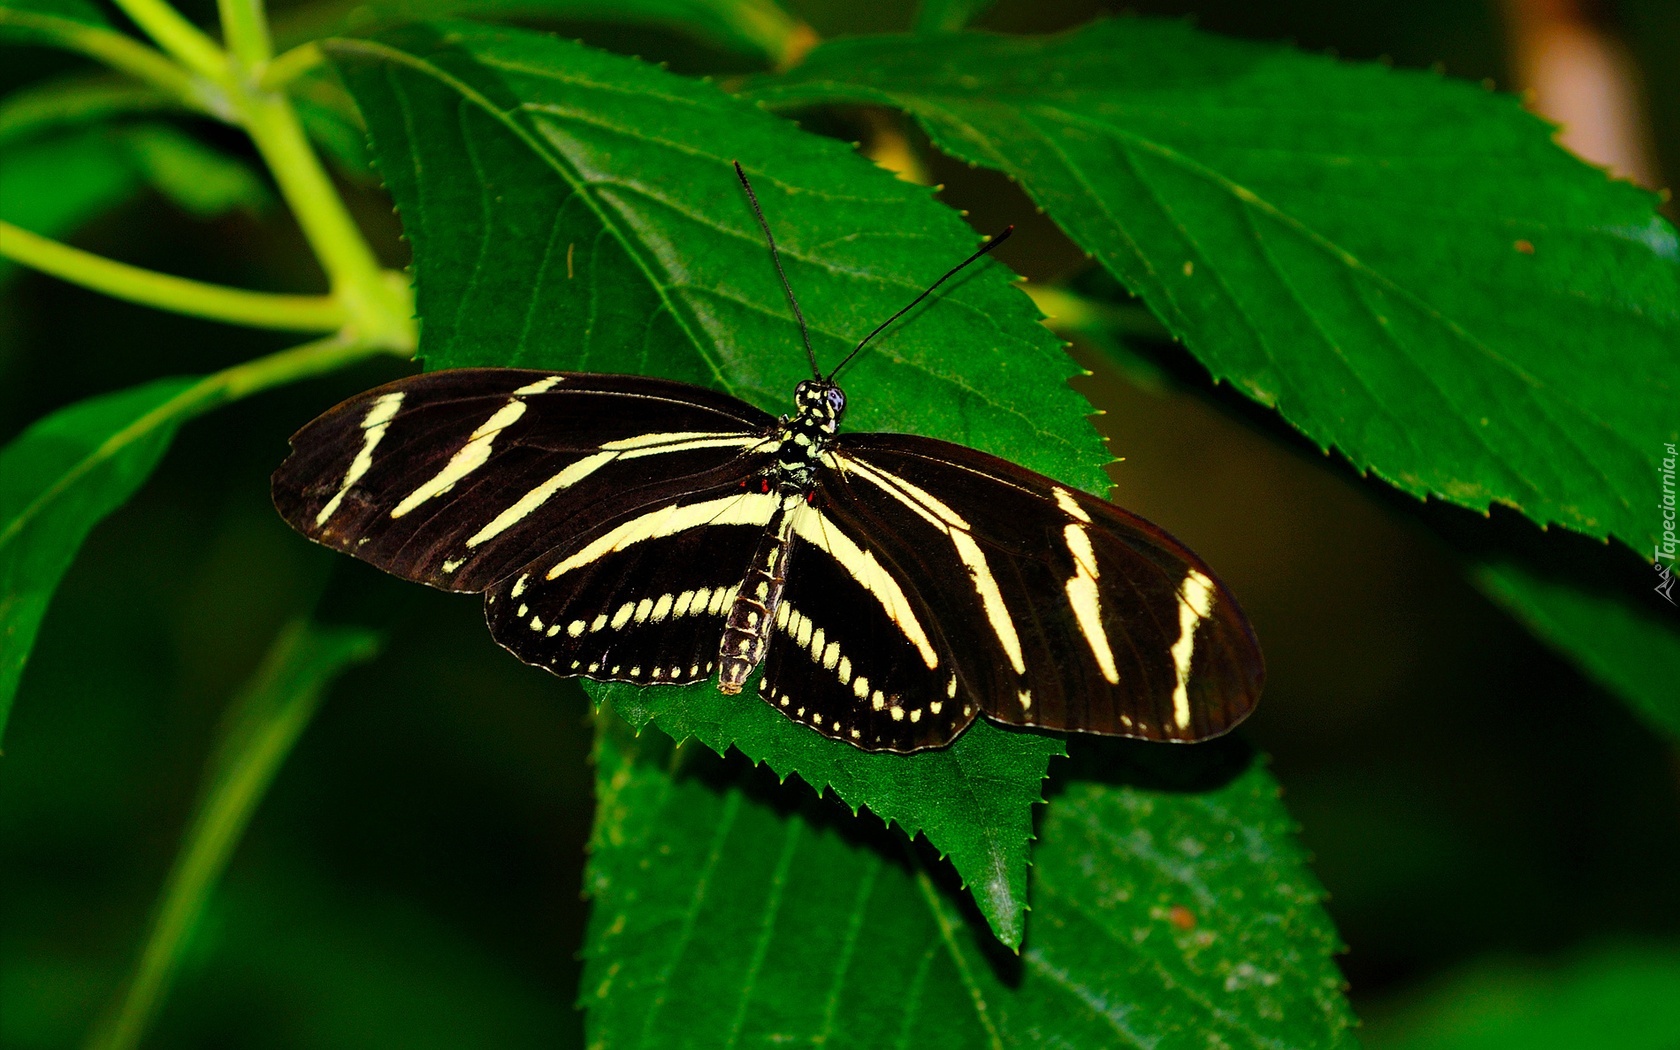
(822, 401)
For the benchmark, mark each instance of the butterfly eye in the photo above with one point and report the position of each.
(836, 401)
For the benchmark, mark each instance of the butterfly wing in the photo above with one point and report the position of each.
(1054, 608)
(857, 653)
(642, 598)
(457, 478)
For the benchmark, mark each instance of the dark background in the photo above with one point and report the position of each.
(413, 878)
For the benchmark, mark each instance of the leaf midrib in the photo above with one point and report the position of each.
(165, 414)
(948, 938)
(767, 927)
(731, 813)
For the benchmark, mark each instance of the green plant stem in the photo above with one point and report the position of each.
(370, 304)
(263, 724)
(245, 27)
(289, 65)
(377, 308)
(308, 313)
(122, 53)
(189, 44)
(277, 369)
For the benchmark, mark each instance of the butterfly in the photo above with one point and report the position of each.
(889, 588)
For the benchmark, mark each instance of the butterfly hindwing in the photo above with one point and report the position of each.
(642, 599)
(1060, 609)
(457, 478)
(856, 654)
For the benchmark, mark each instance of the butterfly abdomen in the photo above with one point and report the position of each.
(752, 616)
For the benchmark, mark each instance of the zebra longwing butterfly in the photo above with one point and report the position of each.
(891, 587)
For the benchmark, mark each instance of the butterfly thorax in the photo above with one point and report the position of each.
(806, 435)
(804, 438)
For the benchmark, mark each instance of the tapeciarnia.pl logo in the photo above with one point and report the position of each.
(1666, 546)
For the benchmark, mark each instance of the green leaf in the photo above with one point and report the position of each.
(261, 726)
(1406, 267)
(572, 209)
(66, 472)
(553, 227)
(84, 11)
(200, 180)
(1631, 649)
(75, 100)
(754, 27)
(1610, 997)
(58, 479)
(973, 800)
(1161, 919)
(53, 184)
(948, 16)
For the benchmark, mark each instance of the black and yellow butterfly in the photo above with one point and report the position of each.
(893, 588)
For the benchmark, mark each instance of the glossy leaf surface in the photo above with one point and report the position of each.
(1405, 266)
(1165, 919)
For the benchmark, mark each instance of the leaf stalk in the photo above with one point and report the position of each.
(241, 86)
(308, 313)
(122, 53)
(245, 27)
(289, 65)
(377, 309)
(185, 42)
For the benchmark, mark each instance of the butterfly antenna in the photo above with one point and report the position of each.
(804, 333)
(991, 243)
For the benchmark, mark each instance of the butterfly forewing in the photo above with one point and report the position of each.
(1060, 609)
(458, 478)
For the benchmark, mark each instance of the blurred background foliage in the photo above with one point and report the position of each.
(1499, 836)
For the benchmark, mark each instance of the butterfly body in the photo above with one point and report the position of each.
(802, 442)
